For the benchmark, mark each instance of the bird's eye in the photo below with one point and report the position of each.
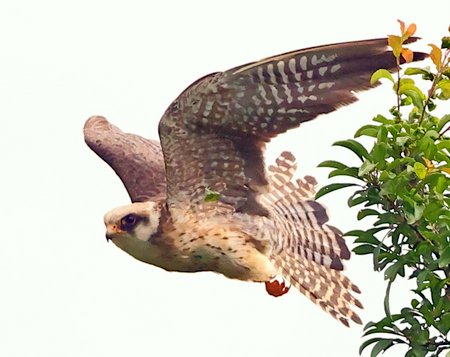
(128, 221)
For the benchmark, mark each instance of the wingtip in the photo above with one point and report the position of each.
(355, 318)
(412, 39)
(287, 155)
(95, 121)
(344, 321)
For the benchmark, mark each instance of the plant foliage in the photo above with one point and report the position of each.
(403, 182)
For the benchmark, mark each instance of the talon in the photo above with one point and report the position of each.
(276, 288)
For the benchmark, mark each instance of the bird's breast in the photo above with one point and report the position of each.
(221, 249)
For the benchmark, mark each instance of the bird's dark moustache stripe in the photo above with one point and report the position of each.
(164, 218)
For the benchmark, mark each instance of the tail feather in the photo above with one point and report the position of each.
(280, 180)
(309, 253)
(311, 238)
(325, 287)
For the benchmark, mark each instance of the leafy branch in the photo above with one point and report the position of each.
(403, 182)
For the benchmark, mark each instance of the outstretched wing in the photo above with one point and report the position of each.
(213, 136)
(137, 161)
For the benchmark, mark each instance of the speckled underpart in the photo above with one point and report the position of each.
(213, 137)
(221, 244)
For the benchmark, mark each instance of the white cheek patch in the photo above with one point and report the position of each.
(143, 231)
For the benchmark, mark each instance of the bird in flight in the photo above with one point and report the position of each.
(203, 199)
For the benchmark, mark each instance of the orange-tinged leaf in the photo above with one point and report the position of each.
(396, 44)
(411, 30)
(407, 54)
(428, 164)
(436, 55)
(402, 26)
(446, 170)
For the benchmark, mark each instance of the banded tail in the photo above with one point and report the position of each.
(308, 252)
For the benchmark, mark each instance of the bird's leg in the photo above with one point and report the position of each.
(276, 288)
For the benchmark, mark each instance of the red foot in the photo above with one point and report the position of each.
(275, 288)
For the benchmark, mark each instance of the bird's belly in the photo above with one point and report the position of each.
(242, 265)
(228, 253)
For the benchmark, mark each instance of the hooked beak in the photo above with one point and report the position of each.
(112, 231)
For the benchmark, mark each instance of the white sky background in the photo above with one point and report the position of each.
(64, 290)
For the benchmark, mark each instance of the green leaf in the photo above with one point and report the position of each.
(367, 212)
(432, 211)
(368, 238)
(445, 323)
(445, 42)
(413, 217)
(332, 187)
(422, 337)
(441, 184)
(381, 346)
(412, 71)
(381, 73)
(383, 326)
(431, 105)
(414, 303)
(395, 186)
(415, 94)
(427, 146)
(420, 170)
(332, 164)
(444, 260)
(367, 343)
(382, 136)
(379, 153)
(444, 120)
(349, 171)
(444, 144)
(394, 270)
(358, 232)
(357, 199)
(354, 146)
(401, 140)
(418, 211)
(376, 253)
(441, 156)
(427, 315)
(211, 196)
(382, 119)
(367, 130)
(419, 351)
(444, 86)
(422, 278)
(366, 168)
(387, 309)
(363, 249)
(387, 175)
(437, 290)
(405, 82)
(408, 316)
(433, 134)
(426, 74)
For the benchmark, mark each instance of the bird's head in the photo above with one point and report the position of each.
(136, 221)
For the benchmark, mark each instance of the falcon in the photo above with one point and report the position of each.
(203, 199)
